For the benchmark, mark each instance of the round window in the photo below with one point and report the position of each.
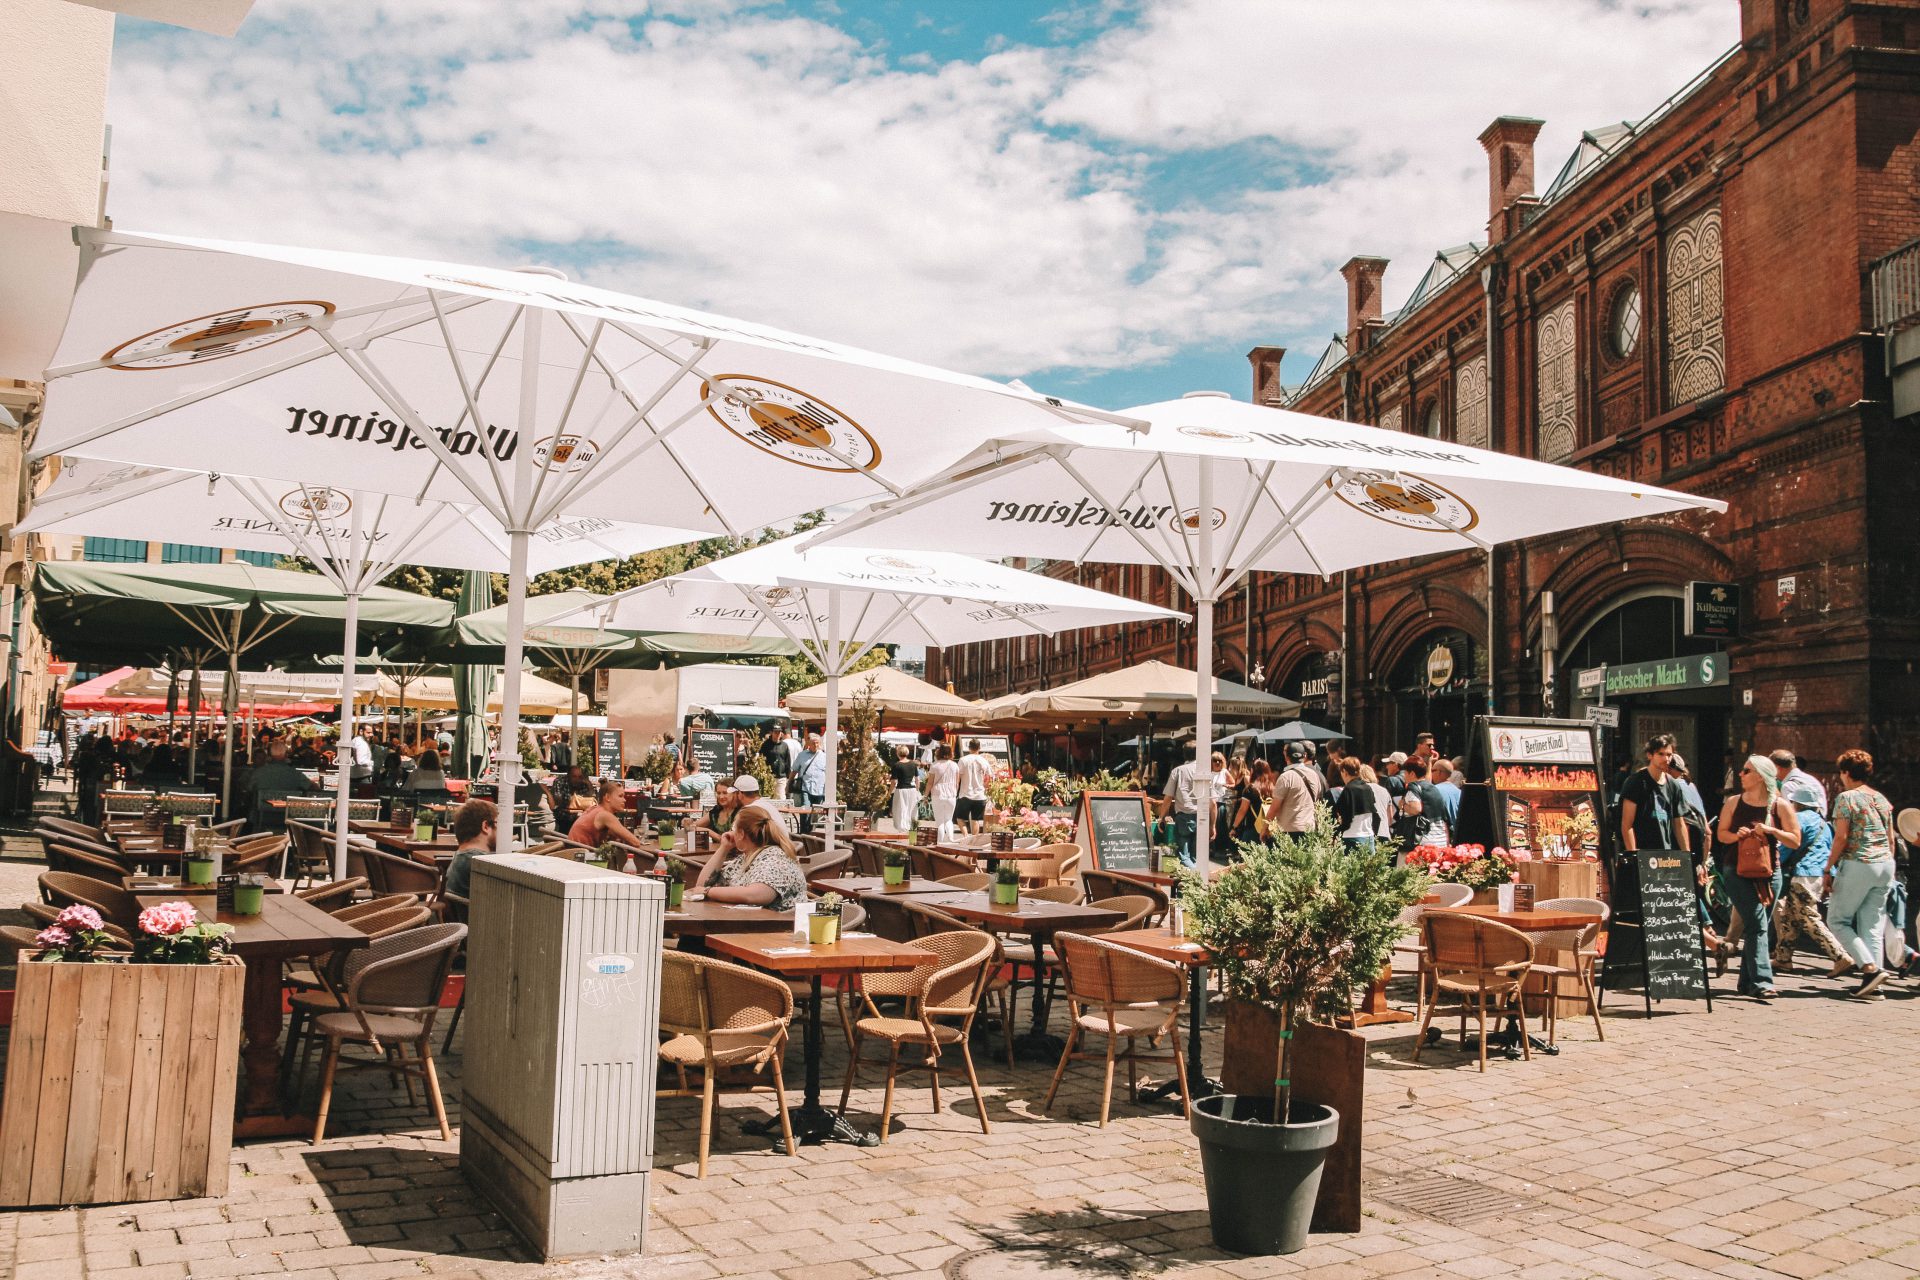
(1623, 329)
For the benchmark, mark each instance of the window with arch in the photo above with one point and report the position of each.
(1433, 422)
(1624, 316)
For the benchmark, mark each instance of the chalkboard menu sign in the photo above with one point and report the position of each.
(1653, 939)
(1113, 826)
(609, 752)
(712, 750)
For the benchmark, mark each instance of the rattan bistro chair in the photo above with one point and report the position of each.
(1115, 884)
(65, 888)
(1481, 961)
(945, 866)
(722, 1017)
(391, 997)
(81, 862)
(942, 996)
(1121, 994)
(1577, 946)
(968, 881)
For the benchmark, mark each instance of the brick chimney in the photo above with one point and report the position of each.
(1509, 145)
(1266, 373)
(1363, 297)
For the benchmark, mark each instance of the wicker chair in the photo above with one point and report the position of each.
(115, 904)
(928, 919)
(392, 994)
(1577, 946)
(333, 895)
(1136, 907)
(386, 902)
(1060, 866)
(889, 918)
(942, 995)
(722, 1017)
(396, 919)
(82, 862)
(869, 857)
(67, 826)
(1480, 961)
(391, 874)
(1053, 893)
(50, 836)
(1121, 994)
(1452, 895)
(968, 881)
(822, 867)
(920, 858)
(1115, 884)
(311, 852)
(260, 854)
(945, 866)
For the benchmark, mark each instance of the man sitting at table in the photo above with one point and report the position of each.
(276, 779)
(601, 822)
(473, 828)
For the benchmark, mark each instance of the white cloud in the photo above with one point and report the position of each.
(995, 215)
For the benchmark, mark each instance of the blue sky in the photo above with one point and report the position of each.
(1111, 201)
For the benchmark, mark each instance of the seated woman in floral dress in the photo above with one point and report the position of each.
(756, 865)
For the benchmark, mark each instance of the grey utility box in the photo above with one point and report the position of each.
(561, 1044)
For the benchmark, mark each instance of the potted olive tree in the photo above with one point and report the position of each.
(1294, 927)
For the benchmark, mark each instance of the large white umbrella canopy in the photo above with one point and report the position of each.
(836, 602)
(1145, 688)
(1216, 487)
(534, 397)
(352, 536)
(437, 693)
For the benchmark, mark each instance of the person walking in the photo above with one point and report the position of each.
(1423, 810)
(970, 810)
(1797, 914)
(1296, 793)
(810, 775)
(1757, 818)
(1860, 871)
(1177, 800)
(1356, 811)
(943, 788)
(906, 788)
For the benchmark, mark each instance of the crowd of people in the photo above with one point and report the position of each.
(1408, 797)
(1782, 862)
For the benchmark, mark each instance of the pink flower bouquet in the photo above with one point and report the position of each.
(77, 935)
(173, 933)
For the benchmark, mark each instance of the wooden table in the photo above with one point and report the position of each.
(1039, 919)
(174, 888)
(791, 958)
(703, 918)
(286, 928)
(859, 886)
(399, 841)
(1161, 944)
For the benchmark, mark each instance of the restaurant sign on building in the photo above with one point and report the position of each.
(1712, 610)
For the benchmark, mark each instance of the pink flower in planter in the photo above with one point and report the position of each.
(79, 917)
(167, 919)
(53, 936)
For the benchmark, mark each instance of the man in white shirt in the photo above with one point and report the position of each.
(970, 810)
(362, 754)
(943, 788)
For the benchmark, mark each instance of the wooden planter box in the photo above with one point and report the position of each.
(120, 1083)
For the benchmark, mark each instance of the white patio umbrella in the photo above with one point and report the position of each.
(1217, 487)
(530, 396)
(836, 602)
(352, 537)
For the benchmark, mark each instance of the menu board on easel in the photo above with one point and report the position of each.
(1544, 785)
(1114, 830)
(712, 751)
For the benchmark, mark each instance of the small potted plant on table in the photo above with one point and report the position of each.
(1006, 883)
(897, 867)
(823, 926)
(1294, 927)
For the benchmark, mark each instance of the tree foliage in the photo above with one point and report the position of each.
(863, 780)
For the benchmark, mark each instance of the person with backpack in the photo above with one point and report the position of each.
(1797, 913)
(1297, 792)
(1422, 808)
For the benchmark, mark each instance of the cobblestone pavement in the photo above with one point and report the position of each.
(1755, 1141)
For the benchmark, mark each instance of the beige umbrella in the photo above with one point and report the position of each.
(436, 693)
(1146, 688)
(905, 698)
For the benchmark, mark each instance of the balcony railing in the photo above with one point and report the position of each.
(1895, 281)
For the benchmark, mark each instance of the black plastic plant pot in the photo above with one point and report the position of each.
(1262, 1177)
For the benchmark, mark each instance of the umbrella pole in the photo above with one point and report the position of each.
(1203, 680)
(573, 724)
(832, 744)
(343, 785)
(231, 698)
(193, 733)
(510, 688)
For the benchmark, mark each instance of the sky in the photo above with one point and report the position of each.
(1111, 201)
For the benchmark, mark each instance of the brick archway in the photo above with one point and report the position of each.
(1590, 583)
(1419, 613)
(1299, 640)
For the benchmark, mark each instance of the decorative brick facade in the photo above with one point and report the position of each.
(1686, 304)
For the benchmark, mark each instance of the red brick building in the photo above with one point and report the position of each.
(1690, 301)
